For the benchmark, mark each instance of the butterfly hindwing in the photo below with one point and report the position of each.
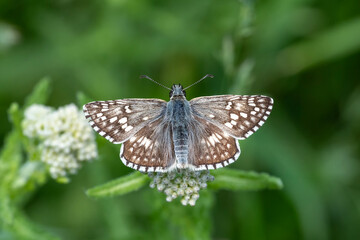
(118, 120)
(150, 149)
(239, 115)
(211, 147)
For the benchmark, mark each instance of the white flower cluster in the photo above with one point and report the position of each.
(64, 136)
(184, 183)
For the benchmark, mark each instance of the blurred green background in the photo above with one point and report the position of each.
(304, 54)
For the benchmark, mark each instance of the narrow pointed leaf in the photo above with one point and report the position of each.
(82, 99)
(231, 179)
(120, 186)
(40, 93)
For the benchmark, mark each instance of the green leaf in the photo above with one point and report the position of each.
(231, 179)
(82, 99)
(10, 159)
(63, 180)
(15, 115)
(120, 186)
(30, 175)
(40, 93)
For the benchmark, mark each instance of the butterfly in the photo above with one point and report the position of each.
(160, 136)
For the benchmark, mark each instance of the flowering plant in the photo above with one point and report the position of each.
(64, 137)
(49, 142)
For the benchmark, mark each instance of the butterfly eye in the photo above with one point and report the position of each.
(184, 93)
(171, 93)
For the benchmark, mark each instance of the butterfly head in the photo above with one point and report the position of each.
(177, 91)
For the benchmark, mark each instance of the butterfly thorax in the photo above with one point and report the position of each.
(178, 110)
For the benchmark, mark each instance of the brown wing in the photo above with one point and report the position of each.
(119, 119)
(150, 149)
(239, 116)
(210, 146)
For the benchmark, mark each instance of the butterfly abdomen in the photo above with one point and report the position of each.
(180, 111)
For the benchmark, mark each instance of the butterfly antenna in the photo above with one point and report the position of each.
(206, 76)
(147, 77)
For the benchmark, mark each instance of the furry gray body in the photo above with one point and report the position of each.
(179, 114)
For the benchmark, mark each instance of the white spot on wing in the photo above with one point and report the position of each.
(234, 116)
(229, 125)
(228, 106)
(113, 119)
(215, 138)
(123, 120)
(212, 141)
(127, 109)
(244, 115)
(147, 143)
(128, 128)
(218, 136)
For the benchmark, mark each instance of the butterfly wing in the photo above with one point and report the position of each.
(211, 146)
(150, 149)
(118, 120)
(238, 115)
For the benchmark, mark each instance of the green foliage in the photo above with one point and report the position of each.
(304, 54)
(229, 179)
(40, 93)
(120, 186)
(20, 176)
(82, 99)
(235, 180)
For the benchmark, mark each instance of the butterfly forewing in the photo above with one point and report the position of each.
(211, 147)
(150, 149)
(120, 119)
(239, 115)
